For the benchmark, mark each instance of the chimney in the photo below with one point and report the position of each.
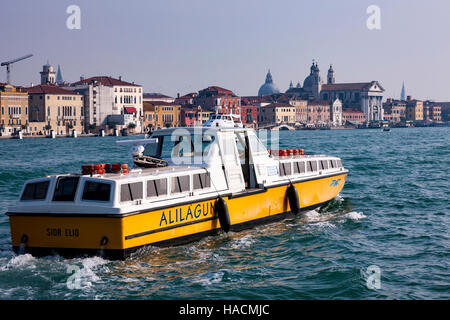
(120, 78)
(178, 95)
(81, 78)
(408, 98)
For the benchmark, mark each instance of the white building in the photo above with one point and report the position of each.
(362, 96)
(336, 113)
(48, 74)
(105, 96)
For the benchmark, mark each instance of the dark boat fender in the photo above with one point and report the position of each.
(222, 212)
(294, 202)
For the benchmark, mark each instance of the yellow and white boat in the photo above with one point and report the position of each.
(189, 183)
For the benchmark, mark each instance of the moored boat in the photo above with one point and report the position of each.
(187, 183)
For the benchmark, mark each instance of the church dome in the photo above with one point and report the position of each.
(309, 81)
(313, 78)
(268, 87)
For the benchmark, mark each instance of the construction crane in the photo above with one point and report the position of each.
(8, 63)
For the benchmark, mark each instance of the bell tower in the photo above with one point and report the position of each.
(48, 75)
(330, 77)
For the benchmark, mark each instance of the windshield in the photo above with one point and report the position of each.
(180, 146)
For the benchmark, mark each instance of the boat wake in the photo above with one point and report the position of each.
(338, 210)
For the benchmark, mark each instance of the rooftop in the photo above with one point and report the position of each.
(49, 89)
(106, 81)
(349, 86)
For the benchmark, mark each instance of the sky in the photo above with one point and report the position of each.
(182, 46)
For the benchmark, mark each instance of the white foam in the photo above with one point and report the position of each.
(85, 276)
(210, 278)
(19, 261)
(324, 225)
(243, 242)
(354, 215)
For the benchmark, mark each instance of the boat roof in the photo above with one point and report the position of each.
(165, 131)
(133, 173)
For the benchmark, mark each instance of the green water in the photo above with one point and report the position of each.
(392, 216)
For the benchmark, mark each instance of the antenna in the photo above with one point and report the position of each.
(9, 63)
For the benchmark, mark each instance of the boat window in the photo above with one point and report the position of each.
(131, 191)
(285, 169)
(323, 164)
(156, 188)
(180, 184)
(255, 144)
(339, 163)
(333, 163)
(312, 166)
(299, 167)
(152, 149)
(66, 187)
(241, 145)
(202, 181)
(35, 191)
(96, 191)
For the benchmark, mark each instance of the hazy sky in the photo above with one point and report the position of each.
(184, 46)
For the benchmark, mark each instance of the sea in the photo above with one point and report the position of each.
(385, 236)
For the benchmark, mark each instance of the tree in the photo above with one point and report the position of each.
(92, 127)
(48, 127)
(131, 126)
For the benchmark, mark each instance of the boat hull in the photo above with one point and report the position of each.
(117, 236)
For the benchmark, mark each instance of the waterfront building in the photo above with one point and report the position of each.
(435, 113)
(363, 96)
(149, 116)
(387, 116)
(218, 99)
(187, 99)
(319, 112)
(432, 111)
(353, 116)
(336, 113)
(106, 96)
(445, 110)
(397, 110)
(13, 109)
(166, 114)
(414, 109)
(301, 105)
(194, 115)
(249, 115)
(277, 113)
(188, 116)
(61, 110)
(269, 87)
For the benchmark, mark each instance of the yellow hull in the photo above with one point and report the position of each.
(83, 234)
